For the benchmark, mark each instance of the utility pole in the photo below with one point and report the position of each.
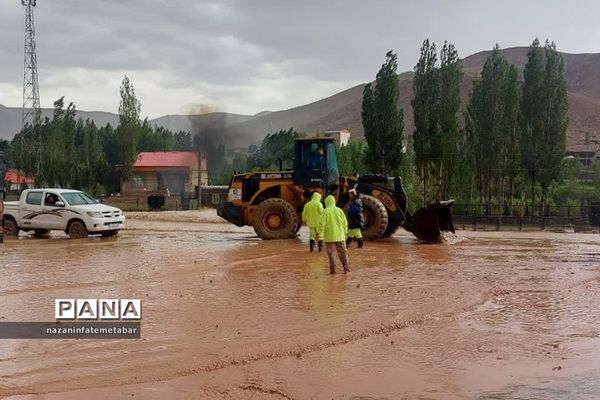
(31, 112)
(31, 91)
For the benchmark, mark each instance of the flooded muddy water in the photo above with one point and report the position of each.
(225, 315)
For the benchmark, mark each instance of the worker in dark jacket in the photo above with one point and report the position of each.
(356, 219)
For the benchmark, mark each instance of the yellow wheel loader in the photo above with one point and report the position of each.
(272, 201)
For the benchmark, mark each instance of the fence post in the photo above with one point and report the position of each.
(497, 223)
(520, 224)
(474, 222)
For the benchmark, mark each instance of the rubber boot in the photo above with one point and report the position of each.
(332, 269)
(312, 245)
(348, 241)
(360, 243)
(320, 243)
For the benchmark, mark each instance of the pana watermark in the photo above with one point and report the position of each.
(98, 309)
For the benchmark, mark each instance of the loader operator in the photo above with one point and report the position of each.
(316, 159)
(311, 216)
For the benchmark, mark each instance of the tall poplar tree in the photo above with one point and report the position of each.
(383, 119)
(544, 118)
(450, 76)
(553, 143)
(491, 125)
(129, 129)
(532, 113)
(424, 104)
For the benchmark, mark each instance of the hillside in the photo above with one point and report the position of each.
(342, 110)
(10, 120)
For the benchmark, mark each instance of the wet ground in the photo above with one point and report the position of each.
(225, 315)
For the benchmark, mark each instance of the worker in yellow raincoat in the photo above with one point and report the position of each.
(311, 216)
(334, 226)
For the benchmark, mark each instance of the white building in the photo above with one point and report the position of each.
(341, 137)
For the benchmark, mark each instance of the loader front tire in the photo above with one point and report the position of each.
(275, 219)
(376, 218)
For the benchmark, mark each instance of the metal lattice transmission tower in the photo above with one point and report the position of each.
(31, 90)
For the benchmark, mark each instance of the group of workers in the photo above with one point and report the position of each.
(329, 225)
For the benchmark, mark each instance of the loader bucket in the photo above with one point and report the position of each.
(430, 222)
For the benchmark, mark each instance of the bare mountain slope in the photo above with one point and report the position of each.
(342, 110)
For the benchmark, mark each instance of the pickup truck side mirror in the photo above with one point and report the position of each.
(59, 204)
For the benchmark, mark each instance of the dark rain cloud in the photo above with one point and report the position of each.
(252, 55)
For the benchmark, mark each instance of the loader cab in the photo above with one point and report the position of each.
(315, 163)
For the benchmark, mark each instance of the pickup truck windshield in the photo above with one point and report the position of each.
(78, 198)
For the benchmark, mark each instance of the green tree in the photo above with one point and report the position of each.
(58, 159)
(183, 141)
(425, 113)
(544, 119)
(383, 119)
(279, 144)
(447, 144)
(553, 143)
(352, 157)
(491, 126)
(129, 129)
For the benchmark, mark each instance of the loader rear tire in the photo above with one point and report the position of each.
(376, 217)
(275, 219)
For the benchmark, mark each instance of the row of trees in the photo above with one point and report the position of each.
(69, 152)
(514, 131)
(512, 140)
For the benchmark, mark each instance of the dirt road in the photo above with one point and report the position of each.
(225, 315)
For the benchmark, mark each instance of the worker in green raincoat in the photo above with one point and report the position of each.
(311, 216)
(334, 226)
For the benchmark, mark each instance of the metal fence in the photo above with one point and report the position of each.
(585, 217)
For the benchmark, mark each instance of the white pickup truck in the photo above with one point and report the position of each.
(76, 213)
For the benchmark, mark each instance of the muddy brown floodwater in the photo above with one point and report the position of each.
(225, 315)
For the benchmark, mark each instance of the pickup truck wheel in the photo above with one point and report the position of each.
(40, 232)
(109, 233)
(77, 230)
(10, 227)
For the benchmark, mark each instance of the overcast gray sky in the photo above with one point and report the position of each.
(254, 55)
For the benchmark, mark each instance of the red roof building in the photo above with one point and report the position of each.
(167, 159)
(18, 181)
(172, 172)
